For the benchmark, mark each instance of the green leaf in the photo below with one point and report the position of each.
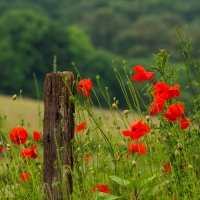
(105, 196)
(120, 181)
(148, 180)
(145, 187)
(159, 187)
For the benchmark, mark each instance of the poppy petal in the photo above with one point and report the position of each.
(80, 127)
(167, 167)
(139, 69)
(36, 136)
(139, 148)
(127, 132)
(185, 123)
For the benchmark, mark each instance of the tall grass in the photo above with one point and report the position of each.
(143, 152)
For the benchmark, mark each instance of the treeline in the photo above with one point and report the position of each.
(90, 33)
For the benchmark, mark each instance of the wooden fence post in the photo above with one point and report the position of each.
(58, 131)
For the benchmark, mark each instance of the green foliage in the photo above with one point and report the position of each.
(28, 45)
(79, 46)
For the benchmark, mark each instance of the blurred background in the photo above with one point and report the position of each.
(91, 34)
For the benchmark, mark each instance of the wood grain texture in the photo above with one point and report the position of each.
(58, 132)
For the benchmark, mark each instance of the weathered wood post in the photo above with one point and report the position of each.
(58, 131)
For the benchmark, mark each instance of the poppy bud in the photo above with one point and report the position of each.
(190, 166)
(177, 153)
(124, 62)
(97, 77)
(8, 145)
(170, 134)
(125, 112)
(14, 97)
(164, 139)
(118, 158)
(122, 143)
(152, 132)
(113, 61)
(20, 91)
(114, 105)
(134, 163)
(162, 169)
(117, 101)
(148, 118)
(28, 143)
(8, 149)
(73, 63)
(139, 173)
(180, 146)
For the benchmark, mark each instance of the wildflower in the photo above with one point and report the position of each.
(142, 74)
(166, 92)
(167, 167)
(1, 149)
(137, 148)
(18, 135)
(80, 127)
(36, 136)
(100, 187)
(175, 111)
(29, 152)
(156, 106)
(138, 129)
(25, 176)
(84, 86)
(87, 157)
(185, 123)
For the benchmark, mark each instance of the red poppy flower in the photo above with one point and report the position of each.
(101, 188)
(156, 106)
(25, 176)
(36, 136)
(18, 135)
(80, 127)
(138, 129)
(142, 74)
(84, 86)
(167, 167)
(87, 157)
(185, 123)
(175, 111)
(1, 149)
(137, 148)
(166, 92)
(29, 152)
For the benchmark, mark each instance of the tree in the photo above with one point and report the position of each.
(28, 44)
